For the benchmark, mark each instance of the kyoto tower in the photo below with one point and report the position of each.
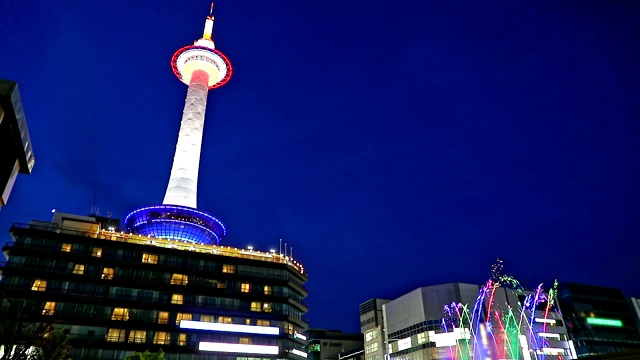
(202, 67)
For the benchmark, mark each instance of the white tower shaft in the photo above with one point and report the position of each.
(183, 182)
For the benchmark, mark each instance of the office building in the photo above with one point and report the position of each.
(16, 152)
(372, 326)
(116, 293)
(329, 344)
(600, 320)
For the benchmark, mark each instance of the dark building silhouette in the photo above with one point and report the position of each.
(16, 153)
(599, 319)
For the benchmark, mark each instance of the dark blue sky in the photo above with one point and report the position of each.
(393, 144)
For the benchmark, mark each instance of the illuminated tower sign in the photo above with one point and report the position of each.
(202, 67)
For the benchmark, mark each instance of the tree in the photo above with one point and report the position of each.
(24, 336)
(146, 356)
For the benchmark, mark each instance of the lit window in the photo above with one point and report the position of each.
(78, 269)
(207, 318)
(115, 335)
(267, 290)
(263, 323)
(149, 258)
(289, 329)
(182, 316)
(222, 284)
(225, 320)
(179, 279)
(245, 287)
(49, 308)
(182, 339)
(266, 307)
(247, 322)
(177, 299)
(96, 252)
(163, 317)
(39, 285)
(108, 273)
(256, 306)
(161, 338)
(120, 314)
(231, 269)
(245, 340)
(422, 338)
(66, 247)
(137, 336)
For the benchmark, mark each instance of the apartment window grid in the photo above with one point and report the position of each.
(66, 247)
(149, 258)
(245, 287)
(177, 299)
(161, 338)
(108, 273)
(183, 316)
(49, 308)
(116, 335)
(39, 285)
(179, 279)
(227, 268)
(137, 336)
(163, 317)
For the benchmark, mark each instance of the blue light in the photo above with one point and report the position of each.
(176, 222)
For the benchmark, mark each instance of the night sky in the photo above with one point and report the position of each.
(393, 144)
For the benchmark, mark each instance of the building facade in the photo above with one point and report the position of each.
(16, 152)
(600, 320)
(115, 293)
(372, 326)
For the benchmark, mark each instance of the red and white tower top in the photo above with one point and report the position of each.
(202, 55)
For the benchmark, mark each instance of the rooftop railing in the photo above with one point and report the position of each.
(165, 243)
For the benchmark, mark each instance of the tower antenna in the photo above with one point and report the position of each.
(211, 11)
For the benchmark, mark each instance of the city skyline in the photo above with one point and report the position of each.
(392, 146)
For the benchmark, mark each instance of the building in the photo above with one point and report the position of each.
(600, 320)
(115, 293)
(353, 354)
(162, 281)
(329, 344)
(372, 326)
(466, 321)
(16, 152)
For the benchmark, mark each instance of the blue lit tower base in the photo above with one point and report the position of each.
(176, 222)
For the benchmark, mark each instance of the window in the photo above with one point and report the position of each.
(245, 340)
(245, 287)
(163, 317)
(49, 308)
(207, 318)
(373, 347)
(256, 306)
(179, 279)
(149, 258)
(183, 316)
(247, 321)
(78, 269)
(137, 336)
(66, 247)
(222, 284)
(108, 273)
(266, 307)
(115, 335)
(96, 252)
(225, 320)
(161, 338)
(263, 323)
(267, 290)
(370, 335)
(231, 269)
(39, 285)
(422, 338)
(120, 314)
(182, 339)
(289, 329)
(177, 299)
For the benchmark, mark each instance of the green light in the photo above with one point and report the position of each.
(604, 322)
